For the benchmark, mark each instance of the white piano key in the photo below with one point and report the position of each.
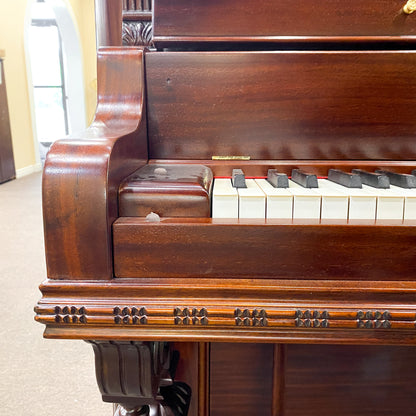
(279, 201)
(224, 199)
(390, 203)
(334, 203)
(252, 201)
(306, 201)
(409, 209)
(362, 202)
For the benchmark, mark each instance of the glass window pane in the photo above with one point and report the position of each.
(44, 55)
(42, 11)
(50, 118)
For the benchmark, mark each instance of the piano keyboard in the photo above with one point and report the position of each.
(328, 201)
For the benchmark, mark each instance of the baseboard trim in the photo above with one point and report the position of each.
(28, 170)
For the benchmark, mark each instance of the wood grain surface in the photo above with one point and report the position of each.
(276, 249)
(269, 20)
(282, 105)
(82, 173)
(345, 381)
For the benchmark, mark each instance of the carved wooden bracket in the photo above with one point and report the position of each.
(137, 33)
(136, 375)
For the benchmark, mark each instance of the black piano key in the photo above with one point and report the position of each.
(238, 179)
(414, 172)
(402, 180)
(307, 180)
(374, 179)
(278, 180)
(349, 180)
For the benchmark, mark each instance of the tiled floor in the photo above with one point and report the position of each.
(38, 377)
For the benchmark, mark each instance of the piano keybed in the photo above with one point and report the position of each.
(329, 201)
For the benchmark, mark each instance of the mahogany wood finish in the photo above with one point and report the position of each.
(167, 190)
(7, 168)
(317, 380)
(191, 21)
(234, 310)
(291, 249)
(248, 369)
(241, 301)
(282, 105)
(324, 380)
(82, 173)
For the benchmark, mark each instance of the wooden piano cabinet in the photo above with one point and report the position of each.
(235, 318)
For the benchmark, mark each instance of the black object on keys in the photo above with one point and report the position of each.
(307, 180)
(238, 179)
(349, 180)
(374, 179)
(402, 180)
(276, 179)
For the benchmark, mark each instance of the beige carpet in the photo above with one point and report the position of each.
(37, 377)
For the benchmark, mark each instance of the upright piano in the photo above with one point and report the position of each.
(163, 250)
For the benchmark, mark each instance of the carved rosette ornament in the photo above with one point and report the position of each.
(137, 34)
(312, 319)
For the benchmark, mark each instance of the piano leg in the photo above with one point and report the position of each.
(137, 377)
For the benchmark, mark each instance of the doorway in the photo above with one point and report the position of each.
(56, 72)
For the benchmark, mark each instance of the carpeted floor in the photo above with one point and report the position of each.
(38, 377)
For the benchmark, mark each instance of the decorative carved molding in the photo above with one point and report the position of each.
(188, 316)
(70, 314)
(137, 5)
(377, 319)
(282, 302)
(314, 319)
(133, 315)
(137, 34)
(243, 317)
(275, 317)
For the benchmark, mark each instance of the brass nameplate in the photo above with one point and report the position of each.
(230, 157)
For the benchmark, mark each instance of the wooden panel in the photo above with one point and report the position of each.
(248, 249)
(241, 379)
(7, 169)
(193, 369)
(192, 20)
(282, 105)
(345, 381)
